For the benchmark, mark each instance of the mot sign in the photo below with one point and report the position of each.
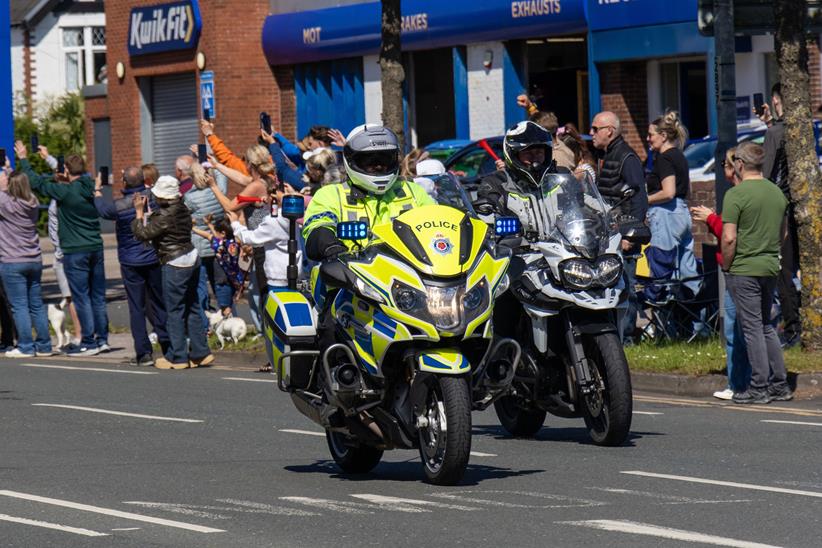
(164, 27)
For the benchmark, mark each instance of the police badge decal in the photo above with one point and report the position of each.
(441, 244)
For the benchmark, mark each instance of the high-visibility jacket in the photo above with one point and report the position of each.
(343, 202)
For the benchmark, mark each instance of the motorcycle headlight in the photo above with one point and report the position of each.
(609, 269)
(577, 273)
(367, 291)
(502, 287)
(473, 298)
(443, 306)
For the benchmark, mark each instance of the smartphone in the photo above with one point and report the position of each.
(35, 143)
(265, 122)
(104, 174)
(61, 165)
(206, 115)
(2, 158)
(202, 153)
(759, 104)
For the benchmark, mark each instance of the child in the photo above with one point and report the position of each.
(230, 257)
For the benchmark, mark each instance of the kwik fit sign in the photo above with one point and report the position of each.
(164, 27)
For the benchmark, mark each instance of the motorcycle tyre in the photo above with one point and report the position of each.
(359, 459)
(605, 352)
(455, 395)
(519, 422)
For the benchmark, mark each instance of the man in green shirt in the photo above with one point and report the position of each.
(82, 245)
(753, 214)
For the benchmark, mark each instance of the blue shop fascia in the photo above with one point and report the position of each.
(466, 62)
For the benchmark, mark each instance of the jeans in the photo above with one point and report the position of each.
(183, 310)
(7, 331)
(225, 296)
(206, 279)
(253, 294)
(22, 284)
(87, 280)
(627, 324)
(739, 368)
(670, 225)
(753, 296)
(144, 291)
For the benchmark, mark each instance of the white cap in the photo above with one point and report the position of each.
(310, 153)
(430, 167)
(166, 188)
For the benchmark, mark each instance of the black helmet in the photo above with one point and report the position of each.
(524, 136)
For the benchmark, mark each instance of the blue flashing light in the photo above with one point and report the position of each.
(506, 226)
(352, 230)
(293, 207)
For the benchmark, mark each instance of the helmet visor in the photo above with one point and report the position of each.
(378, 162)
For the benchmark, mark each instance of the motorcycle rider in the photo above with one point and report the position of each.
(372, 192)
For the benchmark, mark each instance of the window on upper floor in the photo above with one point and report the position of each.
(84, 53)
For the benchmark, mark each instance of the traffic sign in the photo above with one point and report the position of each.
(207, 98)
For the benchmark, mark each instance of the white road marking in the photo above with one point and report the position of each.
(795, 422)
(646, 413)
(251, 507)
(750, 486)
(334, 505)
(632, 527)
(55, 526)
(671, 499)
(557, 501)
(245, 380)
(39, 365)
(305, 432)
(479, 454)
(110, 512)
(119, 413)
(126, 529)
(185, 509)
(405, 505)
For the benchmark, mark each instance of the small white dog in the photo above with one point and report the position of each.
(57, 319)
(226, 327)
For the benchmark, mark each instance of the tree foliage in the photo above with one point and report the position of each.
(59, 124)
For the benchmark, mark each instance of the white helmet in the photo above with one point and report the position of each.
(372, 158)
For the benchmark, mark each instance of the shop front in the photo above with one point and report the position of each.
(465, 63)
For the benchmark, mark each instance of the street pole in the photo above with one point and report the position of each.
(725, 46)
(6, 102)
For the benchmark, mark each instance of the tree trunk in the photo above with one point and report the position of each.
(393, 74)
(804, 175)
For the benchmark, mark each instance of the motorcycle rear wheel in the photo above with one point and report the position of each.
(608, 413)
(351, 457)
(445, 442)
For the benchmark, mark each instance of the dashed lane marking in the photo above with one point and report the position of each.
(55, 526)
(647, 413)
(110, 512)
(404, 505)
(753, 487)
(635, 528)
(70, 368)
(243, 379)
(731, 407)
(794, 422)
(335, 505)
(481, 454)
(109, 412)
(667, 499)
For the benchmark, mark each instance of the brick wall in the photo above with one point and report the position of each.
(287, 122)
(816, 79)
(624, 92)
(230, 39)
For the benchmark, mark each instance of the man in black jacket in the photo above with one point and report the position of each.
(619, 166)
(169, 231)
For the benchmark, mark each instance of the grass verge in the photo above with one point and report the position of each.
(704, 358)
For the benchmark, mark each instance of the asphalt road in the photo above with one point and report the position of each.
(239, 466)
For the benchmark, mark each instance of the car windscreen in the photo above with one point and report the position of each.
(699, 154)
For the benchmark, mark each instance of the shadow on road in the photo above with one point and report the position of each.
(410, 470)
(565, 434)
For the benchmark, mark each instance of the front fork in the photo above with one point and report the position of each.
(581, 366)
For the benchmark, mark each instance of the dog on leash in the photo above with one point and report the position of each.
(57, 319)
(226, 327)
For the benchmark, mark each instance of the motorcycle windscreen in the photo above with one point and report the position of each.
(575, 213)
(437, 240)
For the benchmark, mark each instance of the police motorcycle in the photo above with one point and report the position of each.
(566, 279)
(413, 350)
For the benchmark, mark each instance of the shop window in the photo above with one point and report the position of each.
(683, 88)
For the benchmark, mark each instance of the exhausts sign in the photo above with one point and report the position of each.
(164, 27)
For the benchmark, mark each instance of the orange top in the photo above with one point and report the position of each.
(225, 156)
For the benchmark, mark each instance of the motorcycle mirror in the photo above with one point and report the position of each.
(352, 230)
(335, 274)
(635, 232)
(506, 226)
(627, 193)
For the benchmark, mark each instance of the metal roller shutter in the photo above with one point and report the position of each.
(174, 118)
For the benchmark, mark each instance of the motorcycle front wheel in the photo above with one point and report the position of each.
(607, 412)
(516, 416)
(445, 431)
(351, 457)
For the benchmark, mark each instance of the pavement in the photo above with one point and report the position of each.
(96, 454)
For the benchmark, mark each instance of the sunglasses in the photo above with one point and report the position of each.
(595, 129)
